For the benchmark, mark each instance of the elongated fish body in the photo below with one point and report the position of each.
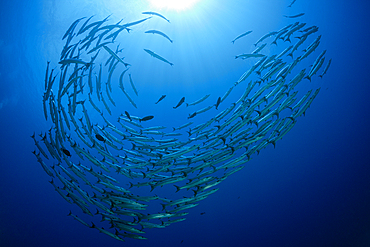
(102, 230)
(226, 94)
(316, 68)
(161, 98)
(317, 60)
(192, 115)
(293, 29)
(294, 16)
(105, 104)
(309, 50)
(259, 48)
(218, 102)
(157, 56)
(129, 98)
(72, 27)
(198, 101)
(325, 69)
(156, 14)
(160, 33)
(73, 60)
(133, 85)
(265, 37)
(241, 35)
(290, 5)
(146, 118)
(183, 126)
(128, 115)
(115, 55)
(245, 56)
(180, 103)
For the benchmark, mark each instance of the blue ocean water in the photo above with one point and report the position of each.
(312, 189)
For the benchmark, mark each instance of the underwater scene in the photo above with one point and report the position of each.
(184, 123)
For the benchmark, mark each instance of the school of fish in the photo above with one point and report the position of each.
(100, 164)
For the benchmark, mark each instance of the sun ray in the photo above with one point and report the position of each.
(173, 4)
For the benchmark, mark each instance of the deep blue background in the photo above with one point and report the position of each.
(313, 189)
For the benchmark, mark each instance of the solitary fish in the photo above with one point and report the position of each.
(198, 101)
(154, 13)
(100, 138)
(241, 35)
(128, 115)
(161, 98)
(146, 118)
(326, 69)
(294, 16)
(218, 102)
(153, 54)
(66, 152)
(160, 33)
(290, 5)
(180, 102)
(192, 115)
(133, 85)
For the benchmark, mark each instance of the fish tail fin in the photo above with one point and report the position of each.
(189, 132)
(177, 188)
(274, 143)
(195, 191)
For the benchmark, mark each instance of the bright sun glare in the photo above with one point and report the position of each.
(173, 4)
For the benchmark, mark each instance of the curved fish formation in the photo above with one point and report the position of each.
(107, 166)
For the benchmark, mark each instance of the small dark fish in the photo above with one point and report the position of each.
(294, 16)
(181, 241)
(66, 152)
(162, 97)
(146, 118)
(202, 213)
(192, 115)
(128, 115)
(218, 102)
(100, 138)
(180, 103)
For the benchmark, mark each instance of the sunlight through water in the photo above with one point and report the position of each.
(174, 4)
